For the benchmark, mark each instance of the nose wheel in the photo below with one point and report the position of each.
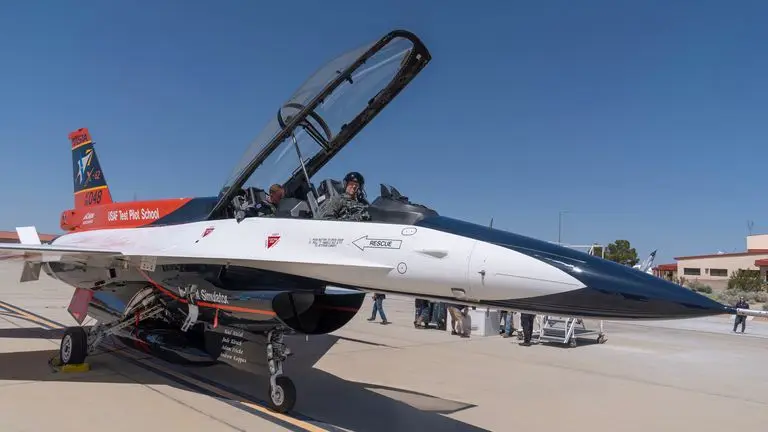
(282, 392)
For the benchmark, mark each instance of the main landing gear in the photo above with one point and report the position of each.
(282, 392)
(74, 346)
(78, 343)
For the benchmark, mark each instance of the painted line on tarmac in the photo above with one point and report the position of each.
(195, 383)
(16, 312)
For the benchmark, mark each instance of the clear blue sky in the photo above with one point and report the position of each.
(648, 120)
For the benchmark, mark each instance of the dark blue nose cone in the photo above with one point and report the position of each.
(613, 291)
(620, 292)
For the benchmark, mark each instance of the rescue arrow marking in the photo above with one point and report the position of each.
(371, 243)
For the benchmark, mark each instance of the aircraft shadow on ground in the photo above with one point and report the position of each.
(322, 396)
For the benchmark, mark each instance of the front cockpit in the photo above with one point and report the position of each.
(322, 117)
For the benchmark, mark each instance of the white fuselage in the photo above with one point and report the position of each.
(374, 256)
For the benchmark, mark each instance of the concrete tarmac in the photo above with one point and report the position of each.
(372, 377)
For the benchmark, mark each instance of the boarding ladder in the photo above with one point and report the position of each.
(567, 330)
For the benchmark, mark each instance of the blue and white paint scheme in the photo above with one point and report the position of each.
(187, 286)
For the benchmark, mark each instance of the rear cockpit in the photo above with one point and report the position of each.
(322, 117)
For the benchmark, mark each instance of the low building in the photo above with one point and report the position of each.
(762, 264)
(715, 269)
(666, 271)
(12, 237)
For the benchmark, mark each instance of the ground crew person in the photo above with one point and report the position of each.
(740, 319)
(459, 320)
(526, 321)
(351, 205)
(378, 306)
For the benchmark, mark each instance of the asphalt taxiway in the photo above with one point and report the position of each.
(372, 377)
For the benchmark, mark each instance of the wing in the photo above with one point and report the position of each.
(33, 253)
(32, 249)
(26, 250)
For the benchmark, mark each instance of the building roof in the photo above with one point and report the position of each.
(666, 267)
(733, 254)
(11, 235)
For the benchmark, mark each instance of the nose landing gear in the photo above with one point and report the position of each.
(282, 392)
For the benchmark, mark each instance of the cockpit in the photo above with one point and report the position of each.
(322, 117)
(390, 207)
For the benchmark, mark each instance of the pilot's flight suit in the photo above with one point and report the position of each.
(343, 207)
(265, 208)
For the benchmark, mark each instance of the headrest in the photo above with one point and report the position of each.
(330, 187)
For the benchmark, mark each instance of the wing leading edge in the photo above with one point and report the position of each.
(34, 254)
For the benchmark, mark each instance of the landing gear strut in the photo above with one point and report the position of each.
(282, 392)
(78, 343)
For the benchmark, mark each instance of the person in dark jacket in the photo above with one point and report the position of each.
(740, 319)
(526, 321)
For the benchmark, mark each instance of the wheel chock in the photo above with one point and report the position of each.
(81, 367)
(55, 363)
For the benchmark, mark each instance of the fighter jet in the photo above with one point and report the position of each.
(213, 283)
(647, 265)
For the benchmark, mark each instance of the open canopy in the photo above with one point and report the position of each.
(325, 113)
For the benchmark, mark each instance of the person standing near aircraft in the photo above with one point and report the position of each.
(420, 306)
(378, 305)
(509, 325)
(526, 321)
(460, 323)
(740, 319)
(351, 205)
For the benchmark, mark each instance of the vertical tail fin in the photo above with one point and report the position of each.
(646, 265)
(90, 185)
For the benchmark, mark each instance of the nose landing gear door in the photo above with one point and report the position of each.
(491, 273)
(478, 270)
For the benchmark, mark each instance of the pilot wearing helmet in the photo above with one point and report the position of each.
(351, 205)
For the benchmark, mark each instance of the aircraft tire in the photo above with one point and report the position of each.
(283, 398)
(74, 346)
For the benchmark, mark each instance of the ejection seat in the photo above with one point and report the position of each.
(293, 207)
(257, 195)
(328, 189)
